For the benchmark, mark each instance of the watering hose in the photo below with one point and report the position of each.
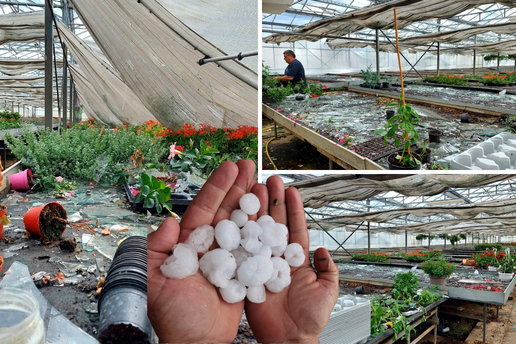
(267, 150)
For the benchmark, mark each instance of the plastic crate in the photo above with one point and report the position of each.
(349, 325)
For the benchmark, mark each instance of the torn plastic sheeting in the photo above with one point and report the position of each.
(59, 329)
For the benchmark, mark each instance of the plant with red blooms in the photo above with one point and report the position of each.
(153, 128)
(438, 268)
(489, 258)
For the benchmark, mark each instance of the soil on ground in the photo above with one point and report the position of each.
(51, 221)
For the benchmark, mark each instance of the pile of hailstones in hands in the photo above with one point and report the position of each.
(242, 266)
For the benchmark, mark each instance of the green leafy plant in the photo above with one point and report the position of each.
(438, 268)
(154, 193)
(421, 256)
(372, 257)
(447, 79)
(483, 247)
(428, 296)
(489, 258)
(507, 264)
(195, 160)
(405, 121)
(405, 286)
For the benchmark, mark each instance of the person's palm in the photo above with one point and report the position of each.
(191, 309)
(299, 312)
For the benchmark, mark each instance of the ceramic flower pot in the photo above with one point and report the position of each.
(438, 280)
(505, 277)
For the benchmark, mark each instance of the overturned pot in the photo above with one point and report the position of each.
(46, 221)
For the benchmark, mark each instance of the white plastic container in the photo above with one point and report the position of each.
(496, 153)
(350, 325)
(20, 321)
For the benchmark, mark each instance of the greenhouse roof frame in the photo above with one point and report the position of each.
(304, 12)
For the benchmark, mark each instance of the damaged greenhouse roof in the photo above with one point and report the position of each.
(81, 257)
(416, 203)
(359, 19)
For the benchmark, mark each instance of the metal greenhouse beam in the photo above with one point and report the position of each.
(49, 43)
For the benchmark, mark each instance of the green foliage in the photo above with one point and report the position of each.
(196, 160)
(154, 193)
(372, 257)
(455, 238)
(421, 237)
(9, 120)
(429, 296)
(370, 78)
(421, 256)
(405, 286)
(483, 247)
(438, 268)
(501, 57)
(83, 154)
(447, 79)
(507, 264)
(405, 121)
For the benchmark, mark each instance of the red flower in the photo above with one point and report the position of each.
(314, 95)
(325, 87)
(447, 265)
(487, 264)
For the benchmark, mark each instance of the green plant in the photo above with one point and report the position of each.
(196, 160)
(507, 264)
(90, 155)
(154, 193)
(489, 258)
(372, 257)
(483, 247)
(421, 237)
(437, 166)
(421, 256)
(426, 298)
(438, 268)
(447, 79)
(405, 121)
(456, 238)
(405, 286)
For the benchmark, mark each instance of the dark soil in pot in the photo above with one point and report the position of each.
(425, 158)
(50, 226)
(394, 164)
(435, 136)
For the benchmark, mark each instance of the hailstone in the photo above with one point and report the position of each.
(182, 263)
(255, 271)
(239, 217)
(201, 238)
(250, 234)
(280, 276)
(294, 255)
(249, 203)
(227, 234)
(264, 251)
(218, 266)
(240, 255)
(264, 218)
(277, 251)
(234, 292)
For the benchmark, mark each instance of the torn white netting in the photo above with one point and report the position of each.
(21, 66)
(91, 99)
(21, 80)
(382, 17)
(111, 90)
(34, 20)
(318, 192)
(502, 207)
(455, 36)
(157, 56)
(507, 47)
(231, 25)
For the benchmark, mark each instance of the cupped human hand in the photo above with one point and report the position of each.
(191, 310)
(299, 312)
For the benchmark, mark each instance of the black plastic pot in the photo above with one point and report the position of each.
(464, 118)
(389, 113)
(300, 97)
(394, 166)
(365, 86)
(435, 135)
(425, 157)
(504, 118)
(123, 317)
(386, 84)
(179, 201)
(359, 290)
(377, 86)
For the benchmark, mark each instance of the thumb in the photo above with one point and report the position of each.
(327, 270)
(165, 237)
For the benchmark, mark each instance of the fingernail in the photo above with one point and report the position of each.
(322, 264)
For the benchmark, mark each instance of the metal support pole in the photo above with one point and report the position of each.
(410, 70)
(275, 130)
(238, 56)
(498, 64)
(72, 89)
(377, 57)
(49, 43)
(438, 48)
(406, 242)
(474, 62)
(64, 83)
(368, 237)
(394, 45)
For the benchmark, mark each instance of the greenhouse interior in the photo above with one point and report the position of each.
(451, 65)
(383, 229)
(113, 115)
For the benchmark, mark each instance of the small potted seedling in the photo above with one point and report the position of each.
(404, 120)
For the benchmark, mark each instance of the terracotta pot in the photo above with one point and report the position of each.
(1, 263)
(42, 220)
(438, 280)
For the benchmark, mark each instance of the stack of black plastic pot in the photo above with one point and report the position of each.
(123, 301)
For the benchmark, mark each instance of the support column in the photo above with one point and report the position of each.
(368, 237)
(498, 64)
(406, 242)
(377, 55)
(72, 89)
(475, 58)
(438, 48)
(49, 43)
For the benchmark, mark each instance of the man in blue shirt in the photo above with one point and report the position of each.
(294, 73)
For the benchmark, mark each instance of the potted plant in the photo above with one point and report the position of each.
(506, 269)
(387, 82)
(405, 119)
(438, 270)
(154, 193)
